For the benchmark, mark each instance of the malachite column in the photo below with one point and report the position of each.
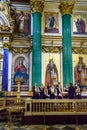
(5, 69)
(66, 11)
(37, 8)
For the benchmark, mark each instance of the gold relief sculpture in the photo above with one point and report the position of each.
(4, 8)
(52, 49)
(6, 45)
(37, 6)
(20, 50)
(5, 28)
(79, 50)
(66, 7)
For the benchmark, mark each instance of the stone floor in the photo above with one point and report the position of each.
(18, 126)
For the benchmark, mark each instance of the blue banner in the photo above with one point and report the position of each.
(5, 70)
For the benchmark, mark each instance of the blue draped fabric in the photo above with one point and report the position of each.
(5, 70)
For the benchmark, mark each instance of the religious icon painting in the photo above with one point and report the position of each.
(51, 76)
(22, 23)
(51, 22)
(80, 72)
(21, 70)
(80, 24)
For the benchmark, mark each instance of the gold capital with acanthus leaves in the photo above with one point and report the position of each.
(66, 7)
(37, 5)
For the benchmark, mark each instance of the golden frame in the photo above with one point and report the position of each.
(79, 24)
(51, 22)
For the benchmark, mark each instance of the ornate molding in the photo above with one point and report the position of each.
(1, 56)
(6, 45)
(4, 28)
(66, 7)
(52, 49)
(79, 50)
(37, 5)
(20, 50)
(59, 49)
(4, 8)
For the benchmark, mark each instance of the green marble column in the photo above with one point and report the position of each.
(37, 8)
(36, 50)
(66, 10)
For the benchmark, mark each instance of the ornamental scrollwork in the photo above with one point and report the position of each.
(4, 7)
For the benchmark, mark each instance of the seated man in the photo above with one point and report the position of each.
(71, 92)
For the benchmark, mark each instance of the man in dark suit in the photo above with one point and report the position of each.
(71, 92)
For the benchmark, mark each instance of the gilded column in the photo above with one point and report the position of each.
(37, 8)
(66, 11)
(5, 68)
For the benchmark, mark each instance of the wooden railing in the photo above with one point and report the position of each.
(55, 107)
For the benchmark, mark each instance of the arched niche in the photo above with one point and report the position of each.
(4, 20)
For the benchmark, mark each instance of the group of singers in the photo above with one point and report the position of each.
(55, 92)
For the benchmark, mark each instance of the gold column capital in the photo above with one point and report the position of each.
(6, 39)
(66, 7)
(6, 45)
(37, 5)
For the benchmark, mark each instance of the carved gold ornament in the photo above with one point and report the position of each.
(20, 50)
(5, 28)
(37, 5)
(1, 55)
(66, 7)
